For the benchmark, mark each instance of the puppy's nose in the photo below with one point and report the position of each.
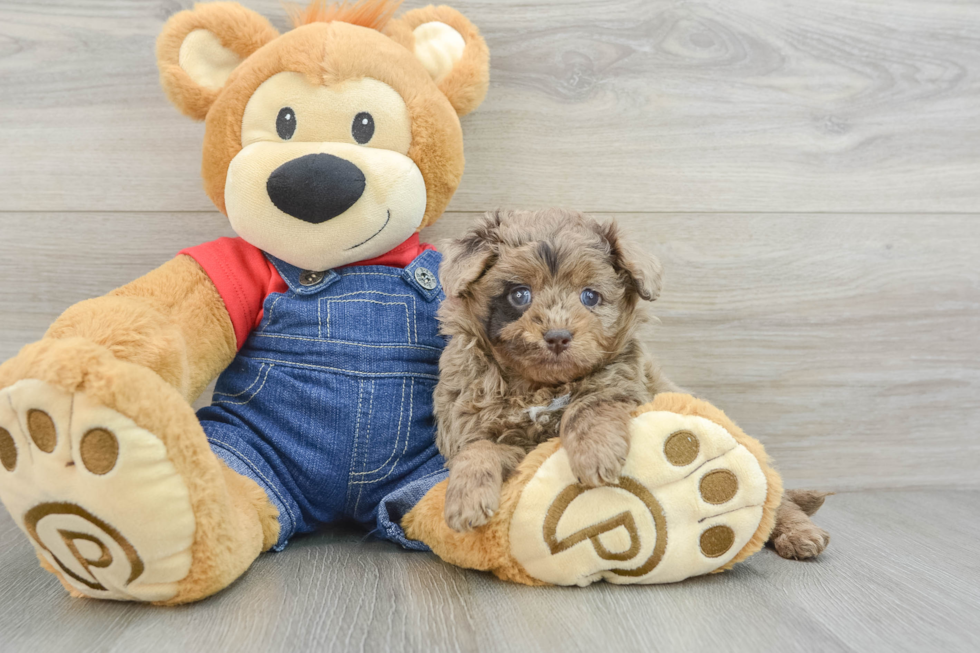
(558, 340)
(316, 187)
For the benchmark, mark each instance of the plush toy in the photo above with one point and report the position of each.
(696, 496)
(328, 148)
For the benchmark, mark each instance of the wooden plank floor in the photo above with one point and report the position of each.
(901, 575)
(607, 105)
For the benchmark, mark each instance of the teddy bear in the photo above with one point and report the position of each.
(328, 147)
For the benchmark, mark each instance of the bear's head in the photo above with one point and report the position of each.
(333, 142)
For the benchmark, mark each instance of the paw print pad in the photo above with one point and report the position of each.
(96, 494)
(8, 450)
(716, 541)
(689, 498)
(41, 428)
(718, 487)
(99, 451)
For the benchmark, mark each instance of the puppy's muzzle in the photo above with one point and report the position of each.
(316, 187)
(558, 340)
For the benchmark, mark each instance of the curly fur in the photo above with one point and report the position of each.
(498, 365)
(794, 536)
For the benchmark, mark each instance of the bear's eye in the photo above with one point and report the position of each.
(590, 297)
(286, 123)
(362, 129)
(519, 297)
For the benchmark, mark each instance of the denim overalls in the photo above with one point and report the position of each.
(328, 406)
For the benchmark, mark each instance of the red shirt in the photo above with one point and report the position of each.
(244, 277)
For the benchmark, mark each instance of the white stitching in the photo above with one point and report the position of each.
(370, 274)
(254, 394)
(252, 385)
(369, 292)
(398, 436)
(411, 407)
(357, 430)
(408, 433)
(393, 345)
(414, 309)
(408, 324)
(273, 307)
(367, 442)
(286, 363)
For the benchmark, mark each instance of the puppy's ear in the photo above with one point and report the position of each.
(451, 49)
(467, 259)
(198, 49)
(643, 270)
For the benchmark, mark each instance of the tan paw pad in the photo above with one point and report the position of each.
(96, 494)
(8, 450)
(42, 430)
(689, 498)
(99, 450)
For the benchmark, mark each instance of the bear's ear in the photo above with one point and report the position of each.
(452, 50)
(198, 49)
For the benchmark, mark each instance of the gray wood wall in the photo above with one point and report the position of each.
(809, 172)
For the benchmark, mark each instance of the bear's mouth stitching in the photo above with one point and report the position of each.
(387, 220)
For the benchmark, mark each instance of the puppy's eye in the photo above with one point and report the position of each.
(362, 129)
(286, 123)
(590, 298)
(520, 296)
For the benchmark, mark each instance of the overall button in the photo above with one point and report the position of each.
(425, 278)
(309, 278)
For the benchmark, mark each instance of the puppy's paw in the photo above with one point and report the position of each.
(470, 502)
(597, 441)
(801, 542)
(599, 464)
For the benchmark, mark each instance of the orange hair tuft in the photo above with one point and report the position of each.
(374, 14)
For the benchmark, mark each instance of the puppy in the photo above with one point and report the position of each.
(542, 309)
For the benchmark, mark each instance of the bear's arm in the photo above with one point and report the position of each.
(172, 320)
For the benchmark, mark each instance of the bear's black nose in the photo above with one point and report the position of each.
(315, 187)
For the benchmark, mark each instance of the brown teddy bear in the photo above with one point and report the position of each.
(328, 147)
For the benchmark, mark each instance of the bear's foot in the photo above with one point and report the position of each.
(695, 496)
(688, 499)
(96, 494)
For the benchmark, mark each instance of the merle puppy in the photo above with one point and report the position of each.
(543, 310)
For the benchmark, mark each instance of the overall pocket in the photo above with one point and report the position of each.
(241, 382)
(394, 428)
(370, 316)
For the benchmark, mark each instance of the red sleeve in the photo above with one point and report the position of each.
(243, 276)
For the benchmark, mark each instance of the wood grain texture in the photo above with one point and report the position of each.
(888, 582)
(848, 344)
(606, 105)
